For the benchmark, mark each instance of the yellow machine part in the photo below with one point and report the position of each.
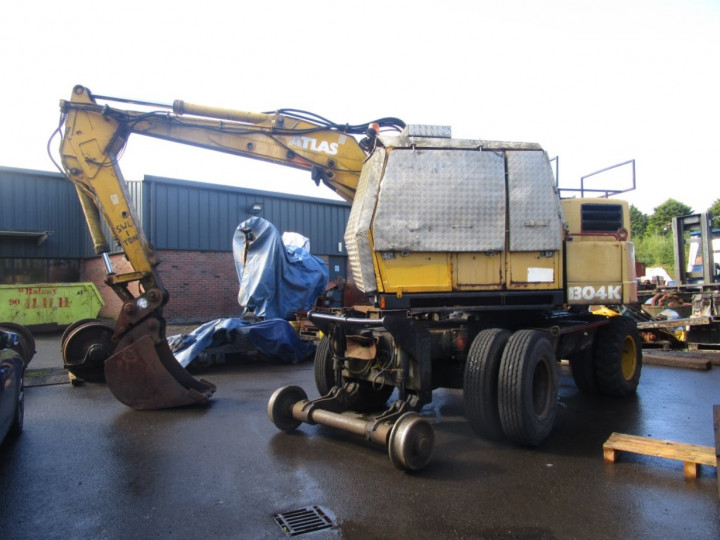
(445, 272)
(415, 272)
(600, 272)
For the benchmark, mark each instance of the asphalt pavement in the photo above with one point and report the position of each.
(86, 466)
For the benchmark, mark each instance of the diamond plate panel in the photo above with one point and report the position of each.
(536, 222)
(357, 232)
(425, 130)
(441, 200)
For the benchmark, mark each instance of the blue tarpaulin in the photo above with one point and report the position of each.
(274, 339)
(275, 280)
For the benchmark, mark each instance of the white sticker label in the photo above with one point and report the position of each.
(540, 275)
(114, 198)
(604, 292)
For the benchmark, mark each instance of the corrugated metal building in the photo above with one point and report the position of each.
(44, 238)
(178, 214)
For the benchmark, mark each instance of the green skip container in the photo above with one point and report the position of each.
(49, 304)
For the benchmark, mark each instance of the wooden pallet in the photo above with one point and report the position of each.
(677, 359)
(691, 455)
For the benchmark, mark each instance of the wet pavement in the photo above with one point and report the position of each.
(87, 466)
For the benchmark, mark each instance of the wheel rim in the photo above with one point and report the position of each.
(410, 442)
(86, 349)
(281, 404)
(74, 326)
(628, 360)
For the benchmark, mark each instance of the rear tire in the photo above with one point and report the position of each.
(582, 367)
(617, 357)
(480, 391)
(528, 388)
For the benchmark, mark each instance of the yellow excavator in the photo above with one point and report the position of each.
(478, 275)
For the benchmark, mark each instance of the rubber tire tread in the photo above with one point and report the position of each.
(480, 383)
(582, 367)
(607, 357)
(323, 367)
(521, 424)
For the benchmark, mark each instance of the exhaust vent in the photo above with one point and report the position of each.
(601, 218)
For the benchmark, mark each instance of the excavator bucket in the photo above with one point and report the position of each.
(146, 375)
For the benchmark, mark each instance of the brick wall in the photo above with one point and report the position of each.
(203, 285)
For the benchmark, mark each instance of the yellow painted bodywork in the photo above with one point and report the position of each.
(533, 271)
(479, 270)
(607, 268)
(591, 268)
(600, 268)
(573, 217)
(446, 272)
(415, 272)
(89, 155)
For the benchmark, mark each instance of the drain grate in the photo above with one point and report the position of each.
(298, 522)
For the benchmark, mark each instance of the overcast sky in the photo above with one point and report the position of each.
(594, 82)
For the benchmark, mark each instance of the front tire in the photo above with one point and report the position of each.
(528, 388)
(617, 357)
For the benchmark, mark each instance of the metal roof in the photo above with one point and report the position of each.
(175, 214)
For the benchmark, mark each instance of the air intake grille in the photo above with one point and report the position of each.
(605, 218)
(303, 521)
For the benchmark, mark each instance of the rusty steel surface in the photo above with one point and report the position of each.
(145, 375)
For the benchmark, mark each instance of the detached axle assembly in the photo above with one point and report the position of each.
(408, 437)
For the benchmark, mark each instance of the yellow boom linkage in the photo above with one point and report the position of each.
(141, 370)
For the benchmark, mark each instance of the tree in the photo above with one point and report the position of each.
(660, 222)
(715, 211)
(639, 222)
(656, 250)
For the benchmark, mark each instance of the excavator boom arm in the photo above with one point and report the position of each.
(329, 150)
(142, 371)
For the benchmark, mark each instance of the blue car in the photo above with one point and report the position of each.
(12, 397)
